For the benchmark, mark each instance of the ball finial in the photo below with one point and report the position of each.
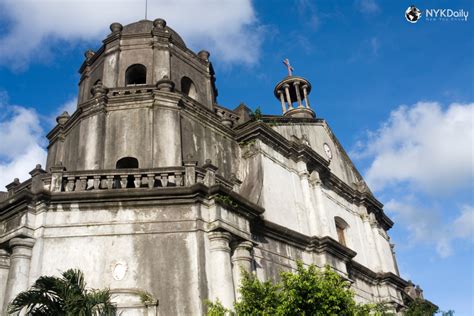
(159, 23)
(116, 27)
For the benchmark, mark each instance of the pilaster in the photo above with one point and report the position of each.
(19, 272)
(221, 285)
(241, 260)
(4, 268)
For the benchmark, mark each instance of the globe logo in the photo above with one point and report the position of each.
(412, 14)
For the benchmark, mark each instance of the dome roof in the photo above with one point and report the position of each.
(146, 26)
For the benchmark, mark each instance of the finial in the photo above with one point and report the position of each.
(159, 23)
(116, 27)
(204, 55)
(89, 54)
(63, 118)
(99, 89)
(288, 66)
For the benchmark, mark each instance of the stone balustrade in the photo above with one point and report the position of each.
(120, 179)
(131, 90)
(60, 180)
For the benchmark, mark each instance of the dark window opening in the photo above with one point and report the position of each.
(127, 163)
(135, 74)
(188, 87)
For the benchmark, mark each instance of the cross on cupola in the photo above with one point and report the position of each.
(293, 92)
(288, 66)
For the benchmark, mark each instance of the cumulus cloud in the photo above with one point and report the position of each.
(464, 223)
(229, 29)
(367, 6)
(429, 226)
(423, 145)
(21, 142)
(416, 156)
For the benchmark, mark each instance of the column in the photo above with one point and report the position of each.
(305, 95)
(322, 215)
(288, 98)
(20, 260)
(298, 95)
(282, 100)
(242, 259)
(221, 286)
(4, 268)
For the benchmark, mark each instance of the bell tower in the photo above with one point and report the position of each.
(131, 93)
(293, 93)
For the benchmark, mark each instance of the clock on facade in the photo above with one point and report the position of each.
(327, 150)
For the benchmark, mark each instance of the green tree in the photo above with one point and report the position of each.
(420, 307)
(64, 296)
(313, 291)
(257, 298)
(307, 291)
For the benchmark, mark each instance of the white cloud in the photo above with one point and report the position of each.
(428, 226)
(464, 223)
(229, 29)
(367, 6)
(21, 142)
(424, 145)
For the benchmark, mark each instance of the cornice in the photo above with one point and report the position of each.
(300, 152)
(321, 245)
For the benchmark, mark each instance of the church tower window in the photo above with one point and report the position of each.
(188, 87)
(127, 163)
(135, 74)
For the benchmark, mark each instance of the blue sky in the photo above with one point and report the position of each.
(399, 97)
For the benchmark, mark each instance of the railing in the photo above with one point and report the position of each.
(60, 180)
(132, 89)
(121, 179)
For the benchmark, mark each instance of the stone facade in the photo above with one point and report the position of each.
(150, 185)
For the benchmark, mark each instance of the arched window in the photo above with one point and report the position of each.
(341, 229)
(135, 74)
(188, 88)
(126, 163)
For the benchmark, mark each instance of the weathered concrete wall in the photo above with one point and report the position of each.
(317, 134)
(201, 141)
(155, 249)
(128, 133)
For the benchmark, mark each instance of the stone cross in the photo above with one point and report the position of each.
(288, 66)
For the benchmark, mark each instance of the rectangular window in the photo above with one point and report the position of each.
(340, 235)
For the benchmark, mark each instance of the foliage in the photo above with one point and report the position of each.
(314, 292)
(216, 309)
(420, 307)
(257, 298)
(258, 114)
(65, 296)
(307, 291)
(146, 297)
(225, 200)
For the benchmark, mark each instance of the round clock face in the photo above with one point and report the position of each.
(327, 150)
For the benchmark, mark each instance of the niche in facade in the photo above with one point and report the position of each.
(135, 74)
(341, 229)
(126, 163)
(188, 88)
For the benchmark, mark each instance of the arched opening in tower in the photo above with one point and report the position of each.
(135, 74)
(188, 88)
(126, 163)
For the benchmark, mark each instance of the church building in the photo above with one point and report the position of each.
(151, 186)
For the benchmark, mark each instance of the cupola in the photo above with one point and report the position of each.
(293, 93)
